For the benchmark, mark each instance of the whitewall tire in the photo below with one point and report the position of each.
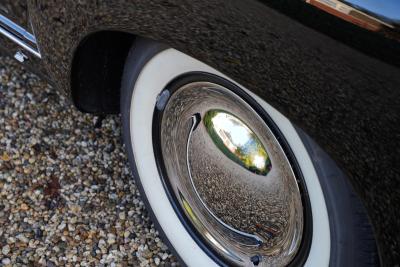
(145, 77)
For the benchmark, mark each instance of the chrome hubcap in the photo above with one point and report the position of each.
(230, 176)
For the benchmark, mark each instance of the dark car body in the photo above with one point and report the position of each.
(336, 75)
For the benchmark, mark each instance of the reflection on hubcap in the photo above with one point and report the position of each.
(230, 176)
(237, 141)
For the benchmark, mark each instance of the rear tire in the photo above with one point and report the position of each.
(341, 232)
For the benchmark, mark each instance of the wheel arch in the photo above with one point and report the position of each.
(96, 71)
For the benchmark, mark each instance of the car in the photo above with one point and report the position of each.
(260, 133)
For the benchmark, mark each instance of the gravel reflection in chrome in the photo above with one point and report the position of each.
(230, 176)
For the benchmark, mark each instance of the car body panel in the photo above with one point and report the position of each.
(344, 94)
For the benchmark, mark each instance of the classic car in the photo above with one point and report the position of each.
(260, 133)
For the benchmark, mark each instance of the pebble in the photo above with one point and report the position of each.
(127, 233)
(22, 238)
(61, 226)
(24, 207)
(110, 239)
(5, 250)
(6, 261)
(66, 192)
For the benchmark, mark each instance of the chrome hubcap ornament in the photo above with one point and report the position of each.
(230, 176)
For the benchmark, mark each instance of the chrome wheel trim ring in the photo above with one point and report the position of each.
(266, 230)
(152, 78)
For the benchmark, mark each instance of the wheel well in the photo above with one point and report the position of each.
(97, 70)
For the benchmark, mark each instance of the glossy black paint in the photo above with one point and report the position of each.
(347, 100)
(381, 45)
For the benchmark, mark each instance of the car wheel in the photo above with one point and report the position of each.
(227, 178)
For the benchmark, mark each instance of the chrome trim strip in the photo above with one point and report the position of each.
(363, 15)
(19, 35)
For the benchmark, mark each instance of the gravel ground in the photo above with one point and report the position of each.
(66, 193)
